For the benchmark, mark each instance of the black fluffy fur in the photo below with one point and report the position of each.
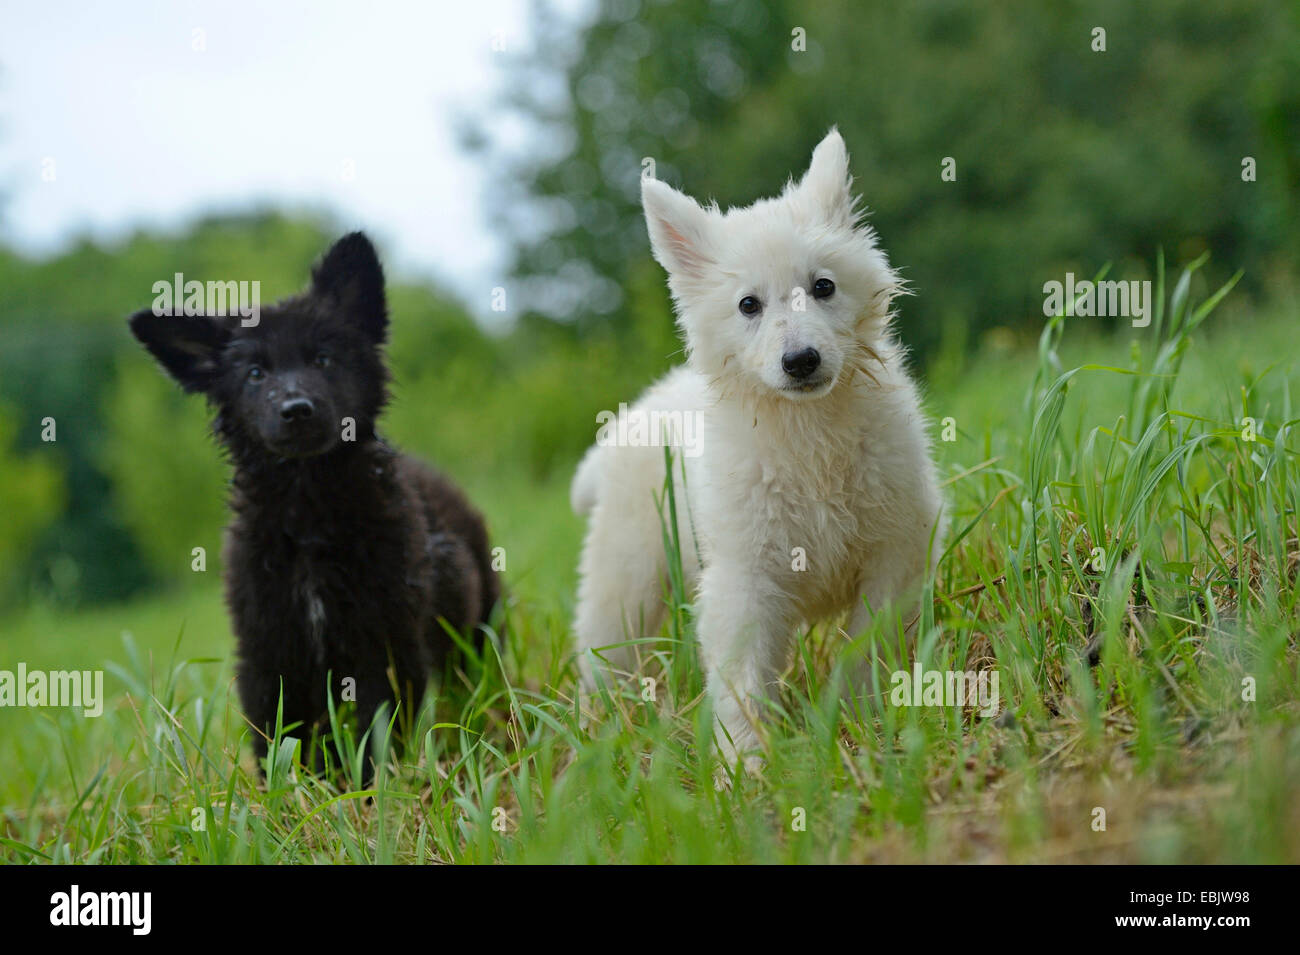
(343, 556)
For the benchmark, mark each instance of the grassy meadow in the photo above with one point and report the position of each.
(1123, 553)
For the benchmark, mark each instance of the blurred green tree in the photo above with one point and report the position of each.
(31, 496)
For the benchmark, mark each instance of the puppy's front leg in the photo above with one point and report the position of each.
(888, 589)
(744, 634)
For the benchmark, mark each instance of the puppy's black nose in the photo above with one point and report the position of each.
(296, 408)
(801, 364)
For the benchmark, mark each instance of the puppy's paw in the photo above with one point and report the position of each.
(585, 702)
(721, 780)
(753, 765)
(587, 718)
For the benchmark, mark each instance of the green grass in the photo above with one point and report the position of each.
(1121, 670)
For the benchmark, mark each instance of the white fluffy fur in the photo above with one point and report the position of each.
(841, 470)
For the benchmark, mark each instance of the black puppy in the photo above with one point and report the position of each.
(343, 555)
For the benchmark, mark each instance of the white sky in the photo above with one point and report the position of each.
(144, 129)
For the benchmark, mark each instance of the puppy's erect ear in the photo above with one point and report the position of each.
(187, 346)
(827, 185)
(350, 277)
(679, 229)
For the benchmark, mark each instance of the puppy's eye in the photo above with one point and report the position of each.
(322, 360)
(255, 373)
(750, 305)
(823, 288)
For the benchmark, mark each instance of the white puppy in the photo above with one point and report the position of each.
(811, 491)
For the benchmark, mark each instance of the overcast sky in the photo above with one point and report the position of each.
(152, 113)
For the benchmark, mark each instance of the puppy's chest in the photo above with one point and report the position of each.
(311, 590)
(824, 510)
(320, 593)
(316, 579)
(811, 516)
